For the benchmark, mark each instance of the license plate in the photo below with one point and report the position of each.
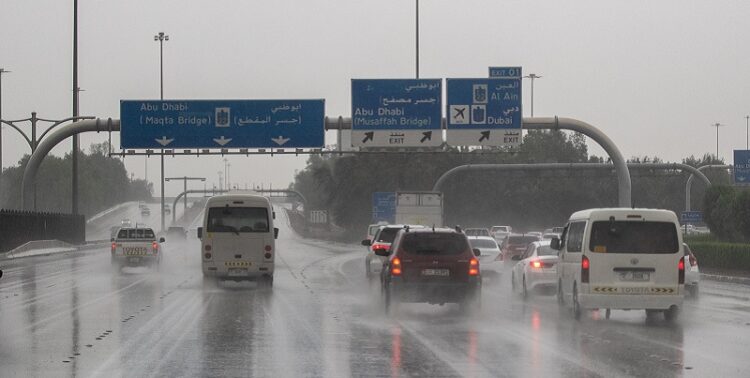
(237, 272)
(436, 272)
(634, 276)
(131, 251)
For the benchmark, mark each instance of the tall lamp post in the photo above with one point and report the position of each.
(717, 125)
(161, 37)
(532, 76)
(2, 71)
(185, 179)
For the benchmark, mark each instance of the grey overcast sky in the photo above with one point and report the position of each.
(652, 74)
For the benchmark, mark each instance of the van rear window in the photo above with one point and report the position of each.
(237, 219)
(434, 244)
(633, 237)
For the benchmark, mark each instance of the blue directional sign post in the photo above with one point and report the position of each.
(742, 167)
(383, 207)
(506, 72)
(222, 124)
(396, 112)
(691, 217)
(484, 112)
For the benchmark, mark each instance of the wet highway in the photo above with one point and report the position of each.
(76, 316)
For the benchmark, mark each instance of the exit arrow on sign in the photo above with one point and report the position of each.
(164, 141)
(280, 140)
(222, 141)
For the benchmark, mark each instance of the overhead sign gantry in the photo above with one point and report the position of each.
(157, 124)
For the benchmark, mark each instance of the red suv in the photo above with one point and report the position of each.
(436, 266)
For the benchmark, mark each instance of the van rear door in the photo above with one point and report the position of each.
(634, 257)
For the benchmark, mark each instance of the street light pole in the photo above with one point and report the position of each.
(2, 71)
(717, 125)
(161, 37)
(417, 38)
(532, 76)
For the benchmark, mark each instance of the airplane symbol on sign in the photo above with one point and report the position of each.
(459, 113)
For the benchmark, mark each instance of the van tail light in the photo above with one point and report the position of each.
(536, 264)
(681, 271)
(585, 264)
(473, 267)
(396, 267)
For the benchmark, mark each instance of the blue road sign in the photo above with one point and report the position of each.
(506, 72)
(383, 207)
(484, 112)
(742, 167)
(691, 217)
(396, 112)
(222, 124)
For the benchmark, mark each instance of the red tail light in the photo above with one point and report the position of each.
(396, 267)
(114, 246)
(681, 271)
(585, 269)
(693, 260)
(536, 264)
(155, 245)
(473, 267)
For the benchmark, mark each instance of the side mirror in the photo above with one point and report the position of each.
(383, 252)
(200, 232)
(555, 243)
(477, 252)
(162, 240)
(366, 242)
(516, 257)
(275, 233)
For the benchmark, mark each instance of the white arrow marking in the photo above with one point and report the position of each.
(280, 140)
(222, 141)
(164, 141)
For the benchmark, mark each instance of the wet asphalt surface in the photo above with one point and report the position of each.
(73, 315)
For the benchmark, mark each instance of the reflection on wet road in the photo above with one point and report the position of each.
(64, 316)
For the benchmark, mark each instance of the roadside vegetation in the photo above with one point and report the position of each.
(103, 182)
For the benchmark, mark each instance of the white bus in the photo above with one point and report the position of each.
(621, 259)
(238, 238)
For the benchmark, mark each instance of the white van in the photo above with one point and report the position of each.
(238, 238)
(621, 259)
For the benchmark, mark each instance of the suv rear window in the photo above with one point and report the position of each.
(633, 237)
(387, 235)
(136, 233)
(434, 244)
(522, 239)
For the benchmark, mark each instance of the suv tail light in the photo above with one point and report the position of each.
(585, 269)
(396, 267)
(693, 260)
(473, 267)
(681, 271)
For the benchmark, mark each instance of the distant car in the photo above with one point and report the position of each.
(177, 233)
(477, 232)
(432, 265)
(373, 229)
(536, 271)
(500, 233)
(136, 246)
(145, 211)
(490, 257)
(692, 273)
(382, 240)
(515, 245)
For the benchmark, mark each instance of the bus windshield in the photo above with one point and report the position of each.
(237, 219)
